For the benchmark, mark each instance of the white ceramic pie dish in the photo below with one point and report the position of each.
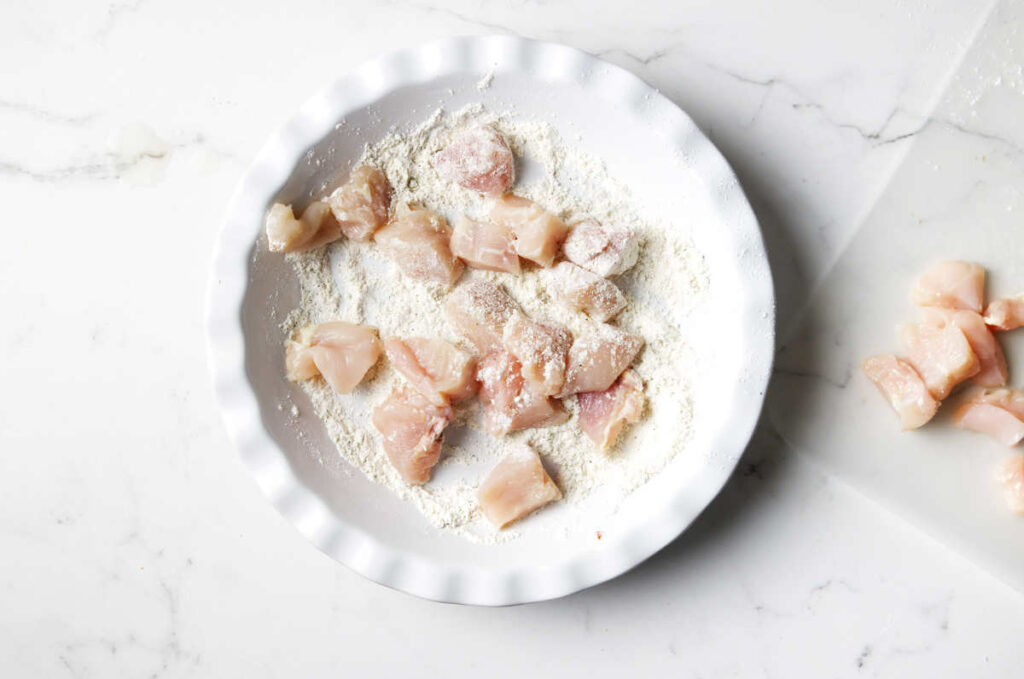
(650, 145)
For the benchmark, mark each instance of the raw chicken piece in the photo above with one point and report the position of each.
(361, 204)
(538, 233)
(542, 349)
(316, 227)
(903, 387)
(1006, 314)
(417, 239)
(412, 427)
(479, 159)
(1011, 475)
(437, 369)
(341, 352)
(603, 414)
(585, 291)
(598, 357)
(996, 412)
(509, 401)
(991, 360)
(952, 285)
(517, 486)
(604, 250)
(940, 354)
(478, 311)
(484, 246)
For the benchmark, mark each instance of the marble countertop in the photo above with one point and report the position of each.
(135, 544)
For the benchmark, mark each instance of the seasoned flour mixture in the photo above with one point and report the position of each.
(354, 282)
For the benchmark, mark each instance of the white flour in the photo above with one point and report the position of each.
(354, 282)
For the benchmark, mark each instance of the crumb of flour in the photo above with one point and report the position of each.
(485, 81)
(354, 282)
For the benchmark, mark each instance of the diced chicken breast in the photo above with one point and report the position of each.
(903, 387)
(342, 353)
(597, 358)
(542, 349)
(951, 285)
(603, 414)
(941, 355)
(484, 246)
(585, 291)
(1011, 475)
(439, 370)
(517, 486)
(1006, 314)
(996, 412)
(538, 233)
(509, 401)
(362, 203)
(418, 240)
(316, 227)
(479, 310)
(412, 427)
(603, 250)
(478, 158)
(992, 362)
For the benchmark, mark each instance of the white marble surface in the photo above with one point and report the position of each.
(133, 542)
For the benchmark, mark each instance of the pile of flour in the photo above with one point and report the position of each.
(354, 282)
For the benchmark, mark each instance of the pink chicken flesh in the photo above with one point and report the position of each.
(585, 291)
(940, 354)
(991, 361)
(951, 285)
(479, 311)
(903, 387)
(538, 233)
(418, 240)
(509, 401)
(516, 487)
(603, 250)
(341, 352)
(484, 246)
(603, 414)
(1005, 314)
(411, 427)
(542, 349)
(439, 370)
(996, 412)
(316, 227)
(362, 203)
(479, 159)
(1011, 476)
(598, 357)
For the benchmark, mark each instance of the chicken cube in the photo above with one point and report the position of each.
(951, 285)
(479, 159)
(418, 240)
(516, 487)
(996, 412)
(542, 349)
(603, 250)
(992, 363)
(585, 291)
(597, 357)
(940, 354)
(603, 414)
(903, 387)
(316, 227)
(340, 352)
(509, 401)
(484, 246)
(412, 427)
(362, 203)
(439, 370)
(1006, 314)
(1011, 475)
(479, 310)
(538, 233)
